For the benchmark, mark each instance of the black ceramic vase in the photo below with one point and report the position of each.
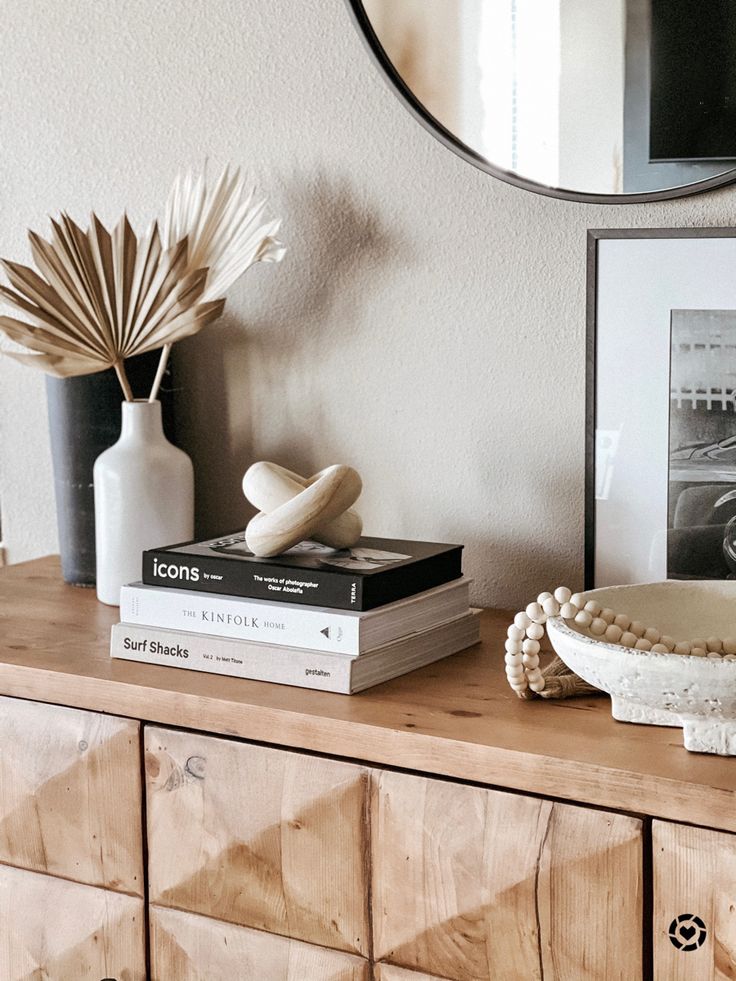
(84, 420)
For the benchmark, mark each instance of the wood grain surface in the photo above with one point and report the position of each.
(694, 876)
(186, 947)
(70, 794)
(478, 884)
(259, 836)
(457, 717)
(389, 972)
(55, 930)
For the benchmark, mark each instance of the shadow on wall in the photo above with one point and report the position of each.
(277, 319)
(533, 561)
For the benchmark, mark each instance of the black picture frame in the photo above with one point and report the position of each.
(594, 238)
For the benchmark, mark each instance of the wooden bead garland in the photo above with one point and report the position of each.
(526, 677)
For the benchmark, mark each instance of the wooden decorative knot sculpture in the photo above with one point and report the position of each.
(294, 508)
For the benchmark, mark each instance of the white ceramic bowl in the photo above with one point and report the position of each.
(696, 693)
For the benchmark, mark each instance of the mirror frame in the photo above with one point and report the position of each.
(397, 85)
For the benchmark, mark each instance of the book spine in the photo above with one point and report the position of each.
(305, 669)
(243, 619)
(251, 580)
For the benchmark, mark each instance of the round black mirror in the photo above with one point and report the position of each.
(607, 101)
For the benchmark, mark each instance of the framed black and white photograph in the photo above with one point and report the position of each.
(661, 405)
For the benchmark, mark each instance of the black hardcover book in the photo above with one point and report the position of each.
(371, 573)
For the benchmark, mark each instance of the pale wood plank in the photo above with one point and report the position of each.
(456, 718)
(70, 794)
(258, 836)
(389, 972)
(694, 873)
(188, 947)
(62, 931)
(475, 884)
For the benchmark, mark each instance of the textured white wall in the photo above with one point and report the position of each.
(427, 325)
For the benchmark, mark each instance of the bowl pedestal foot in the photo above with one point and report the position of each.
(699, 733)
(631, 710)
(703, 735)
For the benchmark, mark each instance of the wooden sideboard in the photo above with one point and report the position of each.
(164, 824)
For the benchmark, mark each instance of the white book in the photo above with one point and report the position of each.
(289, 624)
(290, 666)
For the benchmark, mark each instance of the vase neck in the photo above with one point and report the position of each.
(142, 420)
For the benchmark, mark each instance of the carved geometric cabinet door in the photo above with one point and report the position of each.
(188, 947)
(473, 884)
(694, 903)
(260, 837)
(70, 794)
(63, 931)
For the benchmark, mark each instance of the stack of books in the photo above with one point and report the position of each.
(315, 617)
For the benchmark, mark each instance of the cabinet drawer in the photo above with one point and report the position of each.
(259, 837)
(188, 947)
(70, 794)
(694, 903)
(473, 884)
(64, 931)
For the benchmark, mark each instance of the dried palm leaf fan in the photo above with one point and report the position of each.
(223, 234)
(100, 297)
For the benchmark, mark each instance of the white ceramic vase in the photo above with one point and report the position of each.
(144, 498)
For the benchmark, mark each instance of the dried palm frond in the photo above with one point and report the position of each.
(100, 297)
(223, 227)
(225, 232)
